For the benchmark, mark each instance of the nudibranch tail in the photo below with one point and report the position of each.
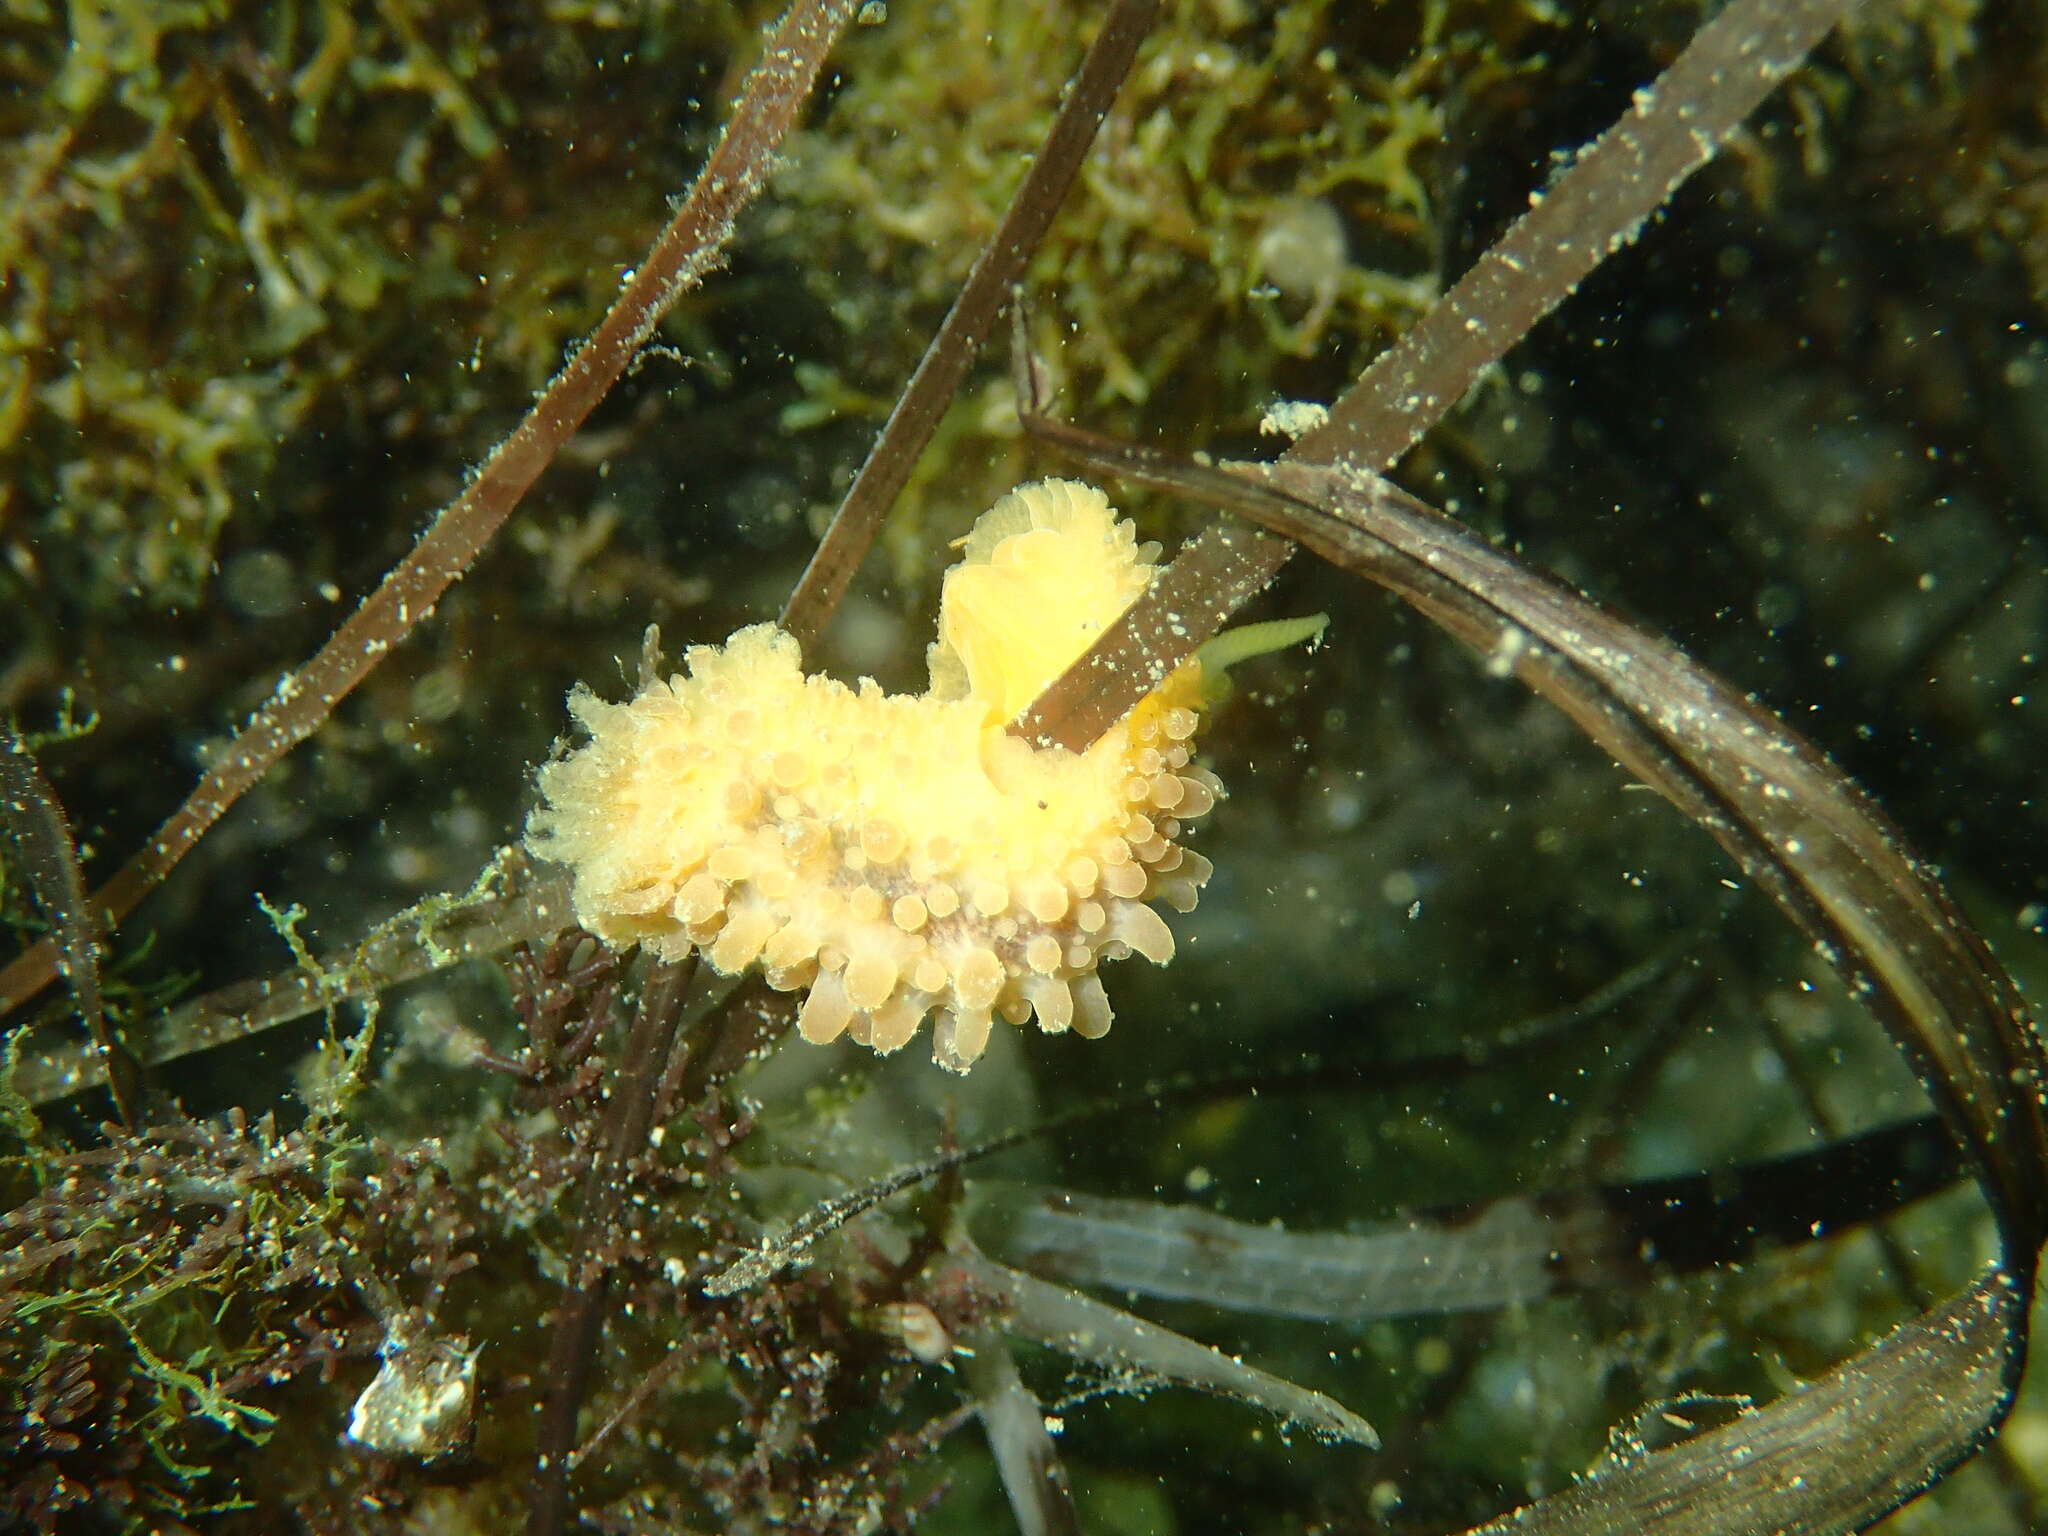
(900, 856)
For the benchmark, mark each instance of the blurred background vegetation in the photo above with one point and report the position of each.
(273, 276)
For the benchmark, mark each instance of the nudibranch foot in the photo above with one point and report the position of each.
(902, 857)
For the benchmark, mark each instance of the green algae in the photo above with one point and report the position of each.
(237, 322)
(229, 224)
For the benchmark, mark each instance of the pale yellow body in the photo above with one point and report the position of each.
(900, 855)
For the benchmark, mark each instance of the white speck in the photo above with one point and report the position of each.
(1292, 419)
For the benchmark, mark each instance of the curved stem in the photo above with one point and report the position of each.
(685, 251)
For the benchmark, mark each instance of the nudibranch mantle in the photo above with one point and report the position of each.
(902, 856)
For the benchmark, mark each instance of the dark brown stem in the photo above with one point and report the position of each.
(31, 812)
(750, 1020)
(945, 363)
(686, 250)
(579, 1320)
(523, 905)
(1801, 830)
(1675, 125)
(1896, 1257)
(1832, 1457)
(1189, 601)
(1593, 209)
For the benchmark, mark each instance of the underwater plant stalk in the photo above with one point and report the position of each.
(686, 250)
(30, 810)
(579, 1319)
(941, 370)
(1675, 125)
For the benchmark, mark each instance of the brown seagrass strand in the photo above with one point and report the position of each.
(1795, 823)
(1591, 210)
(952, 351)
(1805, 833)
(688, 248)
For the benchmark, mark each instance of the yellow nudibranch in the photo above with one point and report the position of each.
(901, 856)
